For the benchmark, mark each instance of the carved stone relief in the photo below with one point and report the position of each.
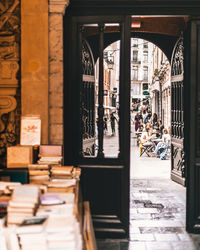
(9, 67)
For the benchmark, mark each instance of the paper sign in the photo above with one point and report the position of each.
(30, 130)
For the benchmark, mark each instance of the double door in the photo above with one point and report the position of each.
(105, 178)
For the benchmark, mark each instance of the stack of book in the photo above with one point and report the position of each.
(63, 232)
(38, 173)
(50, 154)
(4, 201)
(31, 233)
(76, 173)
(61, 172)
(61, 185)
(3, 244)
(7, 187)
(22, 204)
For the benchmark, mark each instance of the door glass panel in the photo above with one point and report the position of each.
(99, 91)
(111, 99)
(87, 92)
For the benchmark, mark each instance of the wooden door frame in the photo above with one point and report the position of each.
(130, 7)
(99, 168)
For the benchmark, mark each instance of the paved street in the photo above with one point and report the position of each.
(157, 207)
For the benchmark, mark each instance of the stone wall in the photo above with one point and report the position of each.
(56, 12)
(166, 106)
(34, 62)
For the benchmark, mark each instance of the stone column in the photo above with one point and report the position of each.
(34, 61)
(56, 12)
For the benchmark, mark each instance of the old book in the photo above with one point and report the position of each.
(51, 150)
(38, 166)
(13, 242)
(50, 159)
(21, 204)
(30, 132)
(26, 193)
(3, 245)
(32, 237)
(51, 199)
(28, 210)
(60, 189)
(39, 177)
(60, 223)
(54, 209)
(16, 218)
(62, 168)
(33, 241)
(61, 176)
(39, 172)
(61, 183)
(19, 156)
(34, 224)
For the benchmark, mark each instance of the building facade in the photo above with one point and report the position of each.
(160, 89)
(141, 71)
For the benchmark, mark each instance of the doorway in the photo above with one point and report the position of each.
(114, 171)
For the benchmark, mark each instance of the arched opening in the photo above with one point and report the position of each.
(104, 175)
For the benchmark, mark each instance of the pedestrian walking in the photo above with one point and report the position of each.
(105, 125)
(112, 123)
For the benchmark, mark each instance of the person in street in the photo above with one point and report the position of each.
(145, 139)
(112, 123)
(154, 119)
(105, 126)
(138, 119)
(160, 127)
(163, 146)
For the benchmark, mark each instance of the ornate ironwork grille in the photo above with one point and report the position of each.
(177, 113)
(87, 104)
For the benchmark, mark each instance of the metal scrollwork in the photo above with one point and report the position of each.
(177, 61)
(87, 63)
(87, 107)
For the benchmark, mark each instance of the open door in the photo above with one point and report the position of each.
(105, 177)
(192, 125)
(177, 114)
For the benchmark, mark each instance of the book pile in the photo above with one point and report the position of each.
(77, 173)
(7, 187)
(31, 233)
(38, 173)
(8, 239)
(56, 203)
(61, 185)
(4, 201)
(22, 204)
(61, 172)
(63, 232)
(62, 228)
(50, 154)
(3, 245)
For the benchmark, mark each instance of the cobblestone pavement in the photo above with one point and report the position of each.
(157, 208)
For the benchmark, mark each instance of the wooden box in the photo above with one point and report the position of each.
(19, 156)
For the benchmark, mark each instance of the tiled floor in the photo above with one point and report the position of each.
(157, 209)
(157, 216)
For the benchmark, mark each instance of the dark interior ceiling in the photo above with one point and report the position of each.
(162, 31)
